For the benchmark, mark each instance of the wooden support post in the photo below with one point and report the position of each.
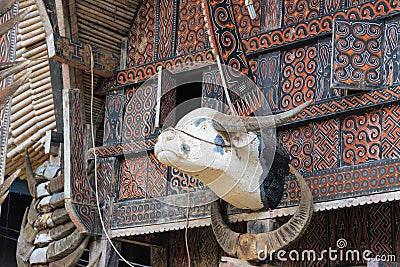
(108, 256)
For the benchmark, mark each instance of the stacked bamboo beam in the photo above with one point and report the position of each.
(32, 112)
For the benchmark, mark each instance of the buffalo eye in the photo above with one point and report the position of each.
(185, 149)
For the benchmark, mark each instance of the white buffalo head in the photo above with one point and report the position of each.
(226, 153)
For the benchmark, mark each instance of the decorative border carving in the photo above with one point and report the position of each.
(317, 27)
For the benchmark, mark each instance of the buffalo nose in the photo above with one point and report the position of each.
(169, 134)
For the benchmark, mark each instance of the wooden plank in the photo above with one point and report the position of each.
(77, 54)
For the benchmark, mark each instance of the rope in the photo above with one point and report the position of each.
(95, 159)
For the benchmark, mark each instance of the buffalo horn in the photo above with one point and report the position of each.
(233, 123)
(252, 246)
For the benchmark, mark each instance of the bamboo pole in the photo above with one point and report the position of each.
(30, 28)
(32, 139)
(33, 40)
(35, 120)
(25, 4)
(28, 22)
(41, 89)
(32, 54)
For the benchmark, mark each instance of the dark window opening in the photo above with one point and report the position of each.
(12, 212)
(183, 99)
(135, 254)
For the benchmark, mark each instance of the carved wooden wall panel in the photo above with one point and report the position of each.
(166, 28)
(141, 44)
(300, 10)
(192, 34)
(357, 54)
(247, 27)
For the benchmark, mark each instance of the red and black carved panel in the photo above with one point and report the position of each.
(81, 202)
(357, 51)
(315, 28)
(132, 182)
(106, 174)
(326, 145)
(156, 181)
(360, 137)
(179, 183)
(168, 99)
(350, 3)
(299, 68)
(299, 144)
(247, 27)
(139, 112)
(345, 182)
(192, 34)
(269, 70)
(141, 45)
(391, 53)
(166, 28)
(300, 10)
(390, 135)
(140, 212)
(114, 113)
(271, 17)
(225, 35)
(138, 74)
(330, 6)
(324, 89)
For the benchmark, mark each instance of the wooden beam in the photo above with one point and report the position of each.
(77, 55)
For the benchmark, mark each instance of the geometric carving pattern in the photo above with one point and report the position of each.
(369, 227)
(361, 138)
(390, 132)
(203, 248)
(357, 54)
(325, 154)
(380, 229)
(350, 3)
(298, 76)
(77, 54)
(300, 10)
(247, 27)
(352, 225)
(192, 36)
(82, 199)
(156, 178)
(105, 175)
(141, 36)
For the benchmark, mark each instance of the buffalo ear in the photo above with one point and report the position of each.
(240, 139)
